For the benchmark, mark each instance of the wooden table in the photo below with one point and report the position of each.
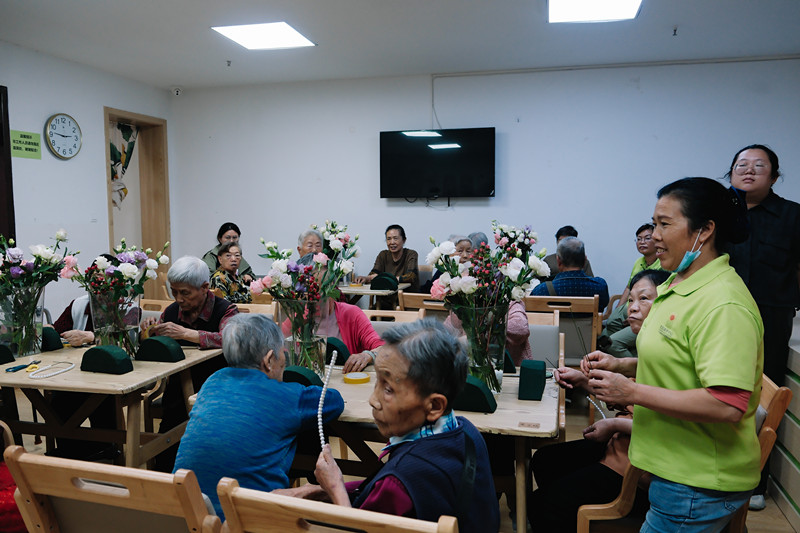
(528, 423)
(354, 293)
(126, 389)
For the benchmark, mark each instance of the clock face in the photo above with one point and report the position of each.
(63, 136)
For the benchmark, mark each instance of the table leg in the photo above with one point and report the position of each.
(133, 437)
(522, 459)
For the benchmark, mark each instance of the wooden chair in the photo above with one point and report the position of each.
(610, 306)
(581, 333)
(148, 304)
(263, 298)
(412, 300)
(774, 401)
(394, 315)
(65, 495)
(254, 511)
(264, 309)
(163, 283)
(544, 319)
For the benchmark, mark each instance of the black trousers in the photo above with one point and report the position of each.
(569, 475)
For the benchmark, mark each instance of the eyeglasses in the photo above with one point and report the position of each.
(648, 238)
(741, 168)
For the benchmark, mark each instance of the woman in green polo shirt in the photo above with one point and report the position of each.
(698, 376)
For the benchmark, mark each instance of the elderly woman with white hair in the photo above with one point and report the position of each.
(248, 409)
(419, 373)
(196, 318)
(309, 242)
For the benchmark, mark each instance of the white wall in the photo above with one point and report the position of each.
(49, 193)
(588, 148)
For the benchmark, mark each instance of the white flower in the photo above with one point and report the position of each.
(433, 256)
(444, 279)
(101, 262)
(455, 284)
(271, 244)
(61, 235)
(463, 267)
(163, 259)
(151, 264)
(274, 274)
(517, 293)
(346, 266)
(538, 266)
(447, 248)
(128, 270)
(469, 284)
(151, 274)
(513, 269)
(340, 235)
(286, 281)
(355, 251)
(286, 253)
(336, 245)
(280, 265)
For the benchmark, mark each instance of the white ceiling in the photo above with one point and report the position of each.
(168, 43)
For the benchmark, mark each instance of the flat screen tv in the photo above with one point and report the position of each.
(453, 163)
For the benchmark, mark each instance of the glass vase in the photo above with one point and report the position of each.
(485, 331)
(300, 321)
(21, 320)
(115, 321)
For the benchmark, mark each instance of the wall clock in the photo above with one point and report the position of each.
(63, 136)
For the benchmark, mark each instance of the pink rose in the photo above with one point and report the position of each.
(256, 287)
(503, 241)
(71, 261)
(438, 292)
(266, 281)
(67, 272)
(496, 238)
(346, 238)
(321, 258)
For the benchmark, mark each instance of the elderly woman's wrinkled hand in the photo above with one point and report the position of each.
(78, 338)
(168, 329)
(600, 431)
(611, 387)
(598, 360)
(327, 471)
(569, 378)
(357, 362)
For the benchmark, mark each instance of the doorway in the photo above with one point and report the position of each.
(151, 146)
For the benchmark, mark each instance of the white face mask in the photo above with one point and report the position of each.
(689, 257)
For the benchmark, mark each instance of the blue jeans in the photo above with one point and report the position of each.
(680, 508)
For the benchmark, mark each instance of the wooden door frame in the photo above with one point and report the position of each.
(153, 181)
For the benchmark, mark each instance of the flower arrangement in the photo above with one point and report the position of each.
(480, 290)
(302, 290)
(21, 286)
(113, 284)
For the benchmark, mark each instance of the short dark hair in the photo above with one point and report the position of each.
(399, 228)
(437, 362)
(226, 227)
(703, 200)
(571, 252)
(566, 231)
(225, 248)
(655, 275)
(773, 160)
(645, 226)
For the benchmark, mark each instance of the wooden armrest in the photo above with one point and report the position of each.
(616, 509)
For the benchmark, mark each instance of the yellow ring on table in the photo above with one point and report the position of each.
(31, 368)
(356, 378)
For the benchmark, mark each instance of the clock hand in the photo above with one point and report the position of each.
(61, 134)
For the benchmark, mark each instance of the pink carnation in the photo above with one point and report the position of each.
(266, 281)
(256, 287)
(71, 261)
(67, 272)
(438, 292)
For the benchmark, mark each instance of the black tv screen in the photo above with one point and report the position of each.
(437, 163)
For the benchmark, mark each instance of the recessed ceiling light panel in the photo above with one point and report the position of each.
(421, 133)
(270, 36)
(592, 10)
(444, 146)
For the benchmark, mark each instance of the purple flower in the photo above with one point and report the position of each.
(126, 257)
(140, 256)
(299, 287)
(293, 267)
(27, 265)
(16, 272)
(110, 270)
(14, 255)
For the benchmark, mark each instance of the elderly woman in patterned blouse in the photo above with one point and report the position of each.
(226, 278)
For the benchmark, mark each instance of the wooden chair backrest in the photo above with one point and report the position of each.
(263, 298)
(581, 332)
(254, 511)
(407, 301)
(264, 309)
(544, 318)
(8, 437)
(610, 306)
(774, 400)
(163, 286)
(65, 495)
(395, 315)
(154, 305)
